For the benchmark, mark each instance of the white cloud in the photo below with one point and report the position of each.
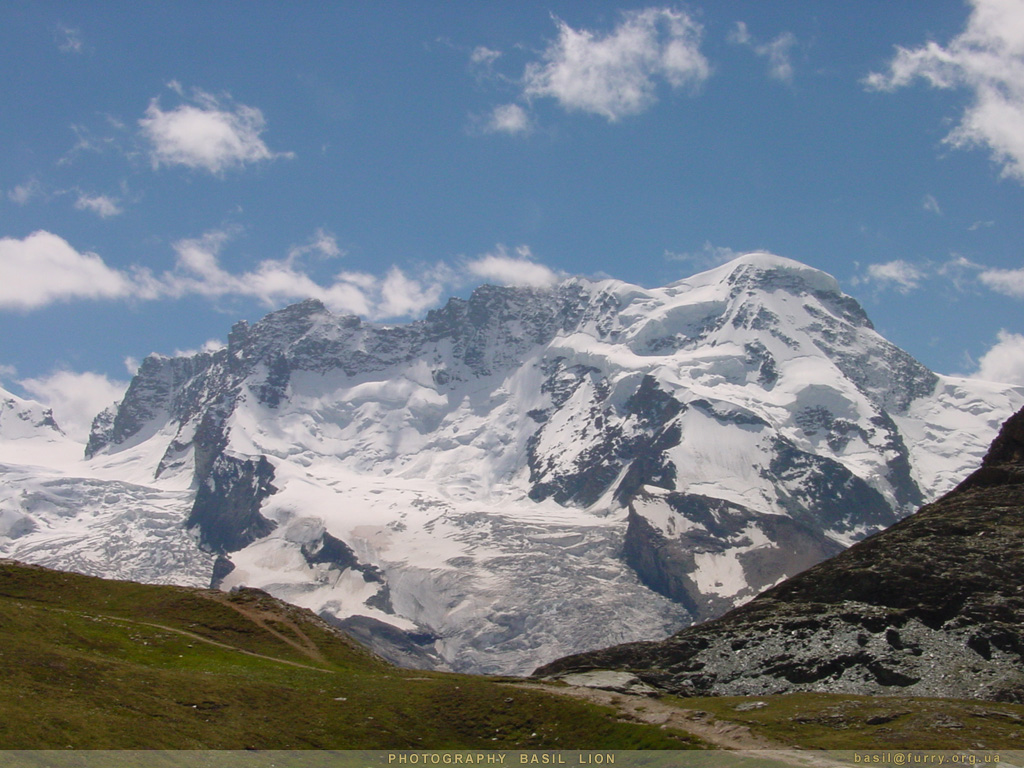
(931, 205)
(484, 57)
(508, 118)
(24, 193)
(209, 347)
(322, 244)
(518, 270)
(274, 282)
(777, 51)
(740, 34)
(209, 134)
(900, 275)
(69, 39)
(1009, 282)
(615, 75)
(708, 256)
(1004, 361)
(102, 205)
(963, 274)
(402, 296)
(75, 398)
(86, 140)
(44, 268)
(987, 58)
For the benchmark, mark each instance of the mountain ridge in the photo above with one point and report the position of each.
(640, 458)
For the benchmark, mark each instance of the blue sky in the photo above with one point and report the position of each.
(171, 168)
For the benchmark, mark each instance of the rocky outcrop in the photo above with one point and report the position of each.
(226, 511)
(932, 606)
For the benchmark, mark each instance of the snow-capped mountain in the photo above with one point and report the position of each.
(520, 475)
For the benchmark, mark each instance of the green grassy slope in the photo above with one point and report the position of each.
(95, 664)
(843, 722)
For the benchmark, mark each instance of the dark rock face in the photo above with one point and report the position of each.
(634, 440)
(932, 606)
(338, 555)
(667, 564)
(222, 566)
(227, 506)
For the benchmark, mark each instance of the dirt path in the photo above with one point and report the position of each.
(303, 644)
(644, 709)
(200, 638)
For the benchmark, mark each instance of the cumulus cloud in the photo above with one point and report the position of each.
(198, 272)
(277, 281)
(1004, 361)
(209, 346)
(518, 270)
(616, 74)
(776, 51)
(75, 398)
(508, 118)
(987, 59)
(1009, 282)
(206, 133)
(961, 273)
(103, 206)
(402, 296)
(43, 268)
(898, 275)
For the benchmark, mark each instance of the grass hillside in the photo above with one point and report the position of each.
(95, 664)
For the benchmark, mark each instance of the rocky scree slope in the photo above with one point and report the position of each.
(933, 606)
(521, 474)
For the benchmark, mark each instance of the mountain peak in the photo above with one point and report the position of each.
(762, 269)
(651, 456)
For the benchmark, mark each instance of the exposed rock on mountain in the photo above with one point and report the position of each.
(521, 474)
(933, 606)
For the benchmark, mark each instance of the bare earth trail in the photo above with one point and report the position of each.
(315, 656)
(644, 709)
(208, 641)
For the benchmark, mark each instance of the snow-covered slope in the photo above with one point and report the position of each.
(56, 508)
(529, 473)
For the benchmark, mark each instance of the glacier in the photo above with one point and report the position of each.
(518, 476)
